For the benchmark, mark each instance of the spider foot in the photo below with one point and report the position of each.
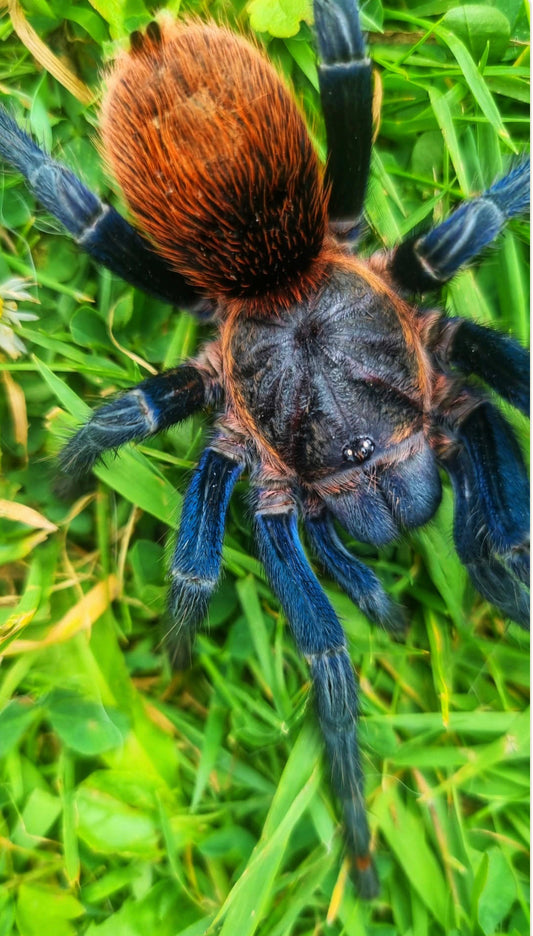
(188, 602)
(337, 705)
(362, 869)
(108, 428)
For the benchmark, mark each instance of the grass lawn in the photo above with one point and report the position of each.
(135, 801)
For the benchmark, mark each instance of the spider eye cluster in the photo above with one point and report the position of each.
(359, 450)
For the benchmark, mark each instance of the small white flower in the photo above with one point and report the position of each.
(12, 292)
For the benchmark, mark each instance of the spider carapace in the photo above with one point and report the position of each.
(341, 397)
(313, 382)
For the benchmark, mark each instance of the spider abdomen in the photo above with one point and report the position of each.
(215, 162)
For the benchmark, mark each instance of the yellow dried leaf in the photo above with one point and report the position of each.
(338, 893)
(17, 622)
(45, 57)
(81, 617)
(19, 513)
(17, 405)
(377, 101)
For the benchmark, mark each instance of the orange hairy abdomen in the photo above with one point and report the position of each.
(215, 162)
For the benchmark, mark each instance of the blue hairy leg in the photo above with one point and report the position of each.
(97, 228)
(345, 79)
(320, 637)
(424, 263)
(491, 528)
(359, 582)
(151, 406)
(498, 360)
(197, 556)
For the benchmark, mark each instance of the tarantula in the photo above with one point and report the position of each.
(340, 397)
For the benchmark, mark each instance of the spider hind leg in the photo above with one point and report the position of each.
(491, 528)
(98, 229)
(345, 78)
(320, 637)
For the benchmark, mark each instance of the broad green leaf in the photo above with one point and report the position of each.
(498, 894)
(15, 718)
(160, 908)
(88, 329)
(40, 812)
(70, 400)
(305, 58)
(476, 25)
(122, 17)
(89, 20)
(111, 826)
(43, 909)
(280, 18)
(86, 726)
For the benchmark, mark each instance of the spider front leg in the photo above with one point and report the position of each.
(423, 263)
(320, 637)
(153, 405)
(98, 229)
(345, 78)
(198, 553)
(491, 490)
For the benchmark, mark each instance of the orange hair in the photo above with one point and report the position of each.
(216, 164)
